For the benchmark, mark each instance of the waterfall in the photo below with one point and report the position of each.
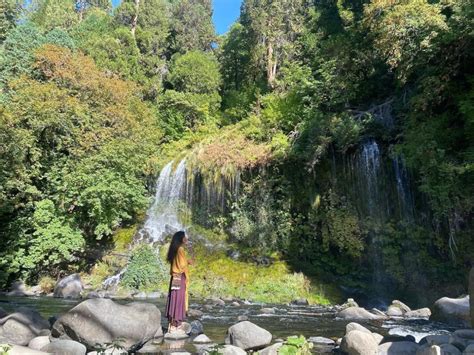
(162, 217)
(404, 191)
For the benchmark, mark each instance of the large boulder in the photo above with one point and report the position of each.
(452, 310)
(394, 311)
(39, 342)
(356, 326)
(471, 294)
(101, 320)
(398, 348)
(271, 350)
(248, 336)
(435, 339)
(357, 313)
(69, 287)
(461, 338)
(65, 347)
(357, 342)
(22, 326)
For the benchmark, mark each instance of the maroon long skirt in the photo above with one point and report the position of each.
(176, 303)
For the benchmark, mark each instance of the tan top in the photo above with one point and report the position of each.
(180, 266)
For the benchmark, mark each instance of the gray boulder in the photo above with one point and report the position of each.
(452, 310)
(267, 311)
(248, 336)
(202, 339)
(357, 313)
(349, 303)
(321, 341)
(356, 326)
(436, 339)
(419, 313)
(196, 328)
(242, 318)
(401, 305)
(3, 313)
(232, 350)
(300, 302)
(378, 338)
(448, 349)
(69, 287)
(358, 342)
(101, 321)
(195, 313)
(398, 348)
(39, 342)
(461, 338)
(469, 350)
(22, 326)
(65, 347)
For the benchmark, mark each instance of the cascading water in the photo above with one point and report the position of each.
(163, 215)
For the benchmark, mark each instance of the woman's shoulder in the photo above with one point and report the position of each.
(181, 249)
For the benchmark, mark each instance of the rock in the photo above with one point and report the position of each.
(242, 318)
(356, 326)
(452, 310)
(357, 342)
(22, 326)
(248, 336)
(195, 313)
(419, 313)
(231, 350)
(18, 289)
(377, 337)
(300, 302)
(217, 302)
(378, 312)
(356, 313)
(321, 341)
(69, 287)
(436, 339)
(187, 327)
(3, 313)
(271, 350)
(154, 295)
(101, 321)
(401, 305)
(469, 350)
(177, 335)
(429, 350)
(93, 294)
(350, 303)
(394, 311)
(471, 294)
(196, 328)
(202, 339)
(448, 349)
(398, 348)
(235, 304)
(37, 290)
(208, 307)
(267, 311)
(109, 351)
(22, 350)
(65, 347)
(462, 338)
(39, 342)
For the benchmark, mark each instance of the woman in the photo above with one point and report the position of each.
(177, 303)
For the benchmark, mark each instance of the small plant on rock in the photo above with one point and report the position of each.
(295, 345)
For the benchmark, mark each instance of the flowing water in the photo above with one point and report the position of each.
(286, 321)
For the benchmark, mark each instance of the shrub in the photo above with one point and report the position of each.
(47, 284)
(144, 269)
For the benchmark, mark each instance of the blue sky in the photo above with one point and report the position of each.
(225, 13)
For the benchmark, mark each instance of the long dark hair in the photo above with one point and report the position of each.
(176, 242)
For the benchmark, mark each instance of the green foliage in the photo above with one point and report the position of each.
(144, 270)
(51, 14)
(9, 13)
(296, 346)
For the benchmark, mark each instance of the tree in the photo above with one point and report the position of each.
(9, 13)
(192, 27)
(50, 14)
(272, 28)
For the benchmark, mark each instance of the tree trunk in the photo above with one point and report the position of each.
(271, 66)
(135, 17)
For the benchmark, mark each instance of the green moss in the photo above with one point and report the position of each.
(123, 237)
(217, 275)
